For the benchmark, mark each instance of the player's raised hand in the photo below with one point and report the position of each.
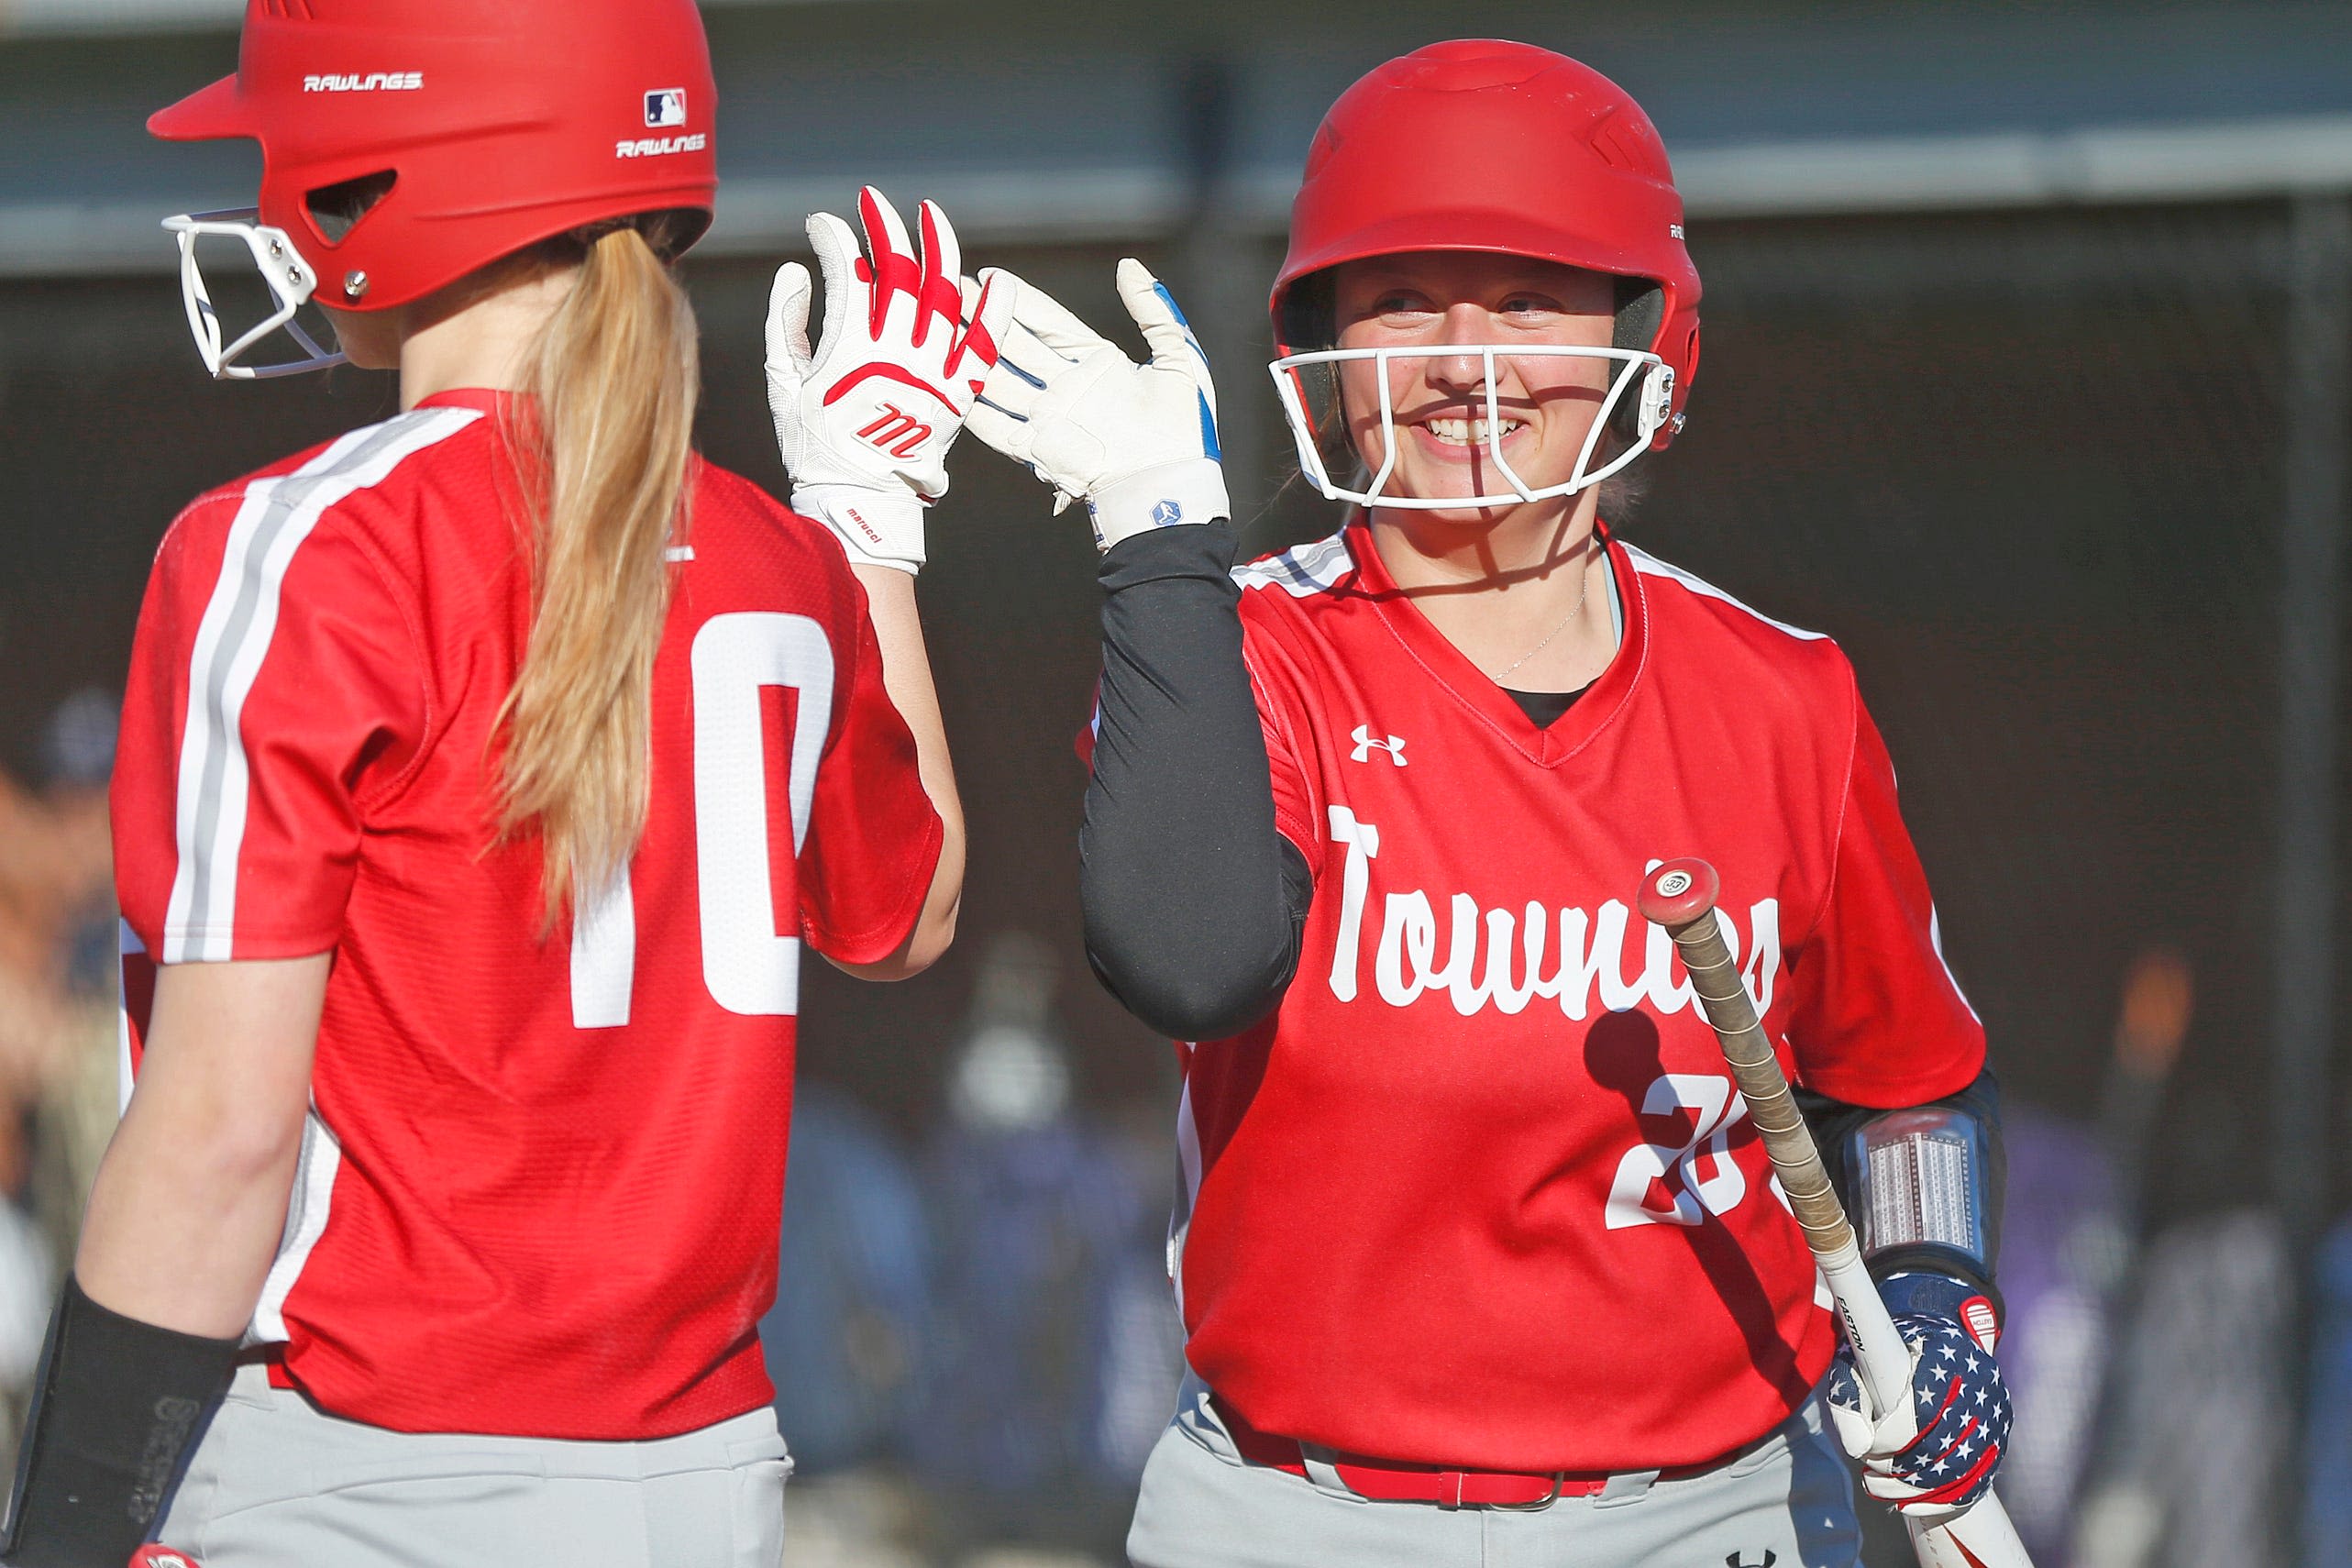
(1136, 442)
(863, 418)
(1961, 1414)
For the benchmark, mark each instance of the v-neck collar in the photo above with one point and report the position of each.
(1470, 686)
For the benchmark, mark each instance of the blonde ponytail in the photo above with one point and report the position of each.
(614, 383)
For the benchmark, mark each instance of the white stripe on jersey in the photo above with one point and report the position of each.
(603, 954)
(1309, 569)
(321, 1156)
(1188, 1163)
(1936, 940)
(126, 946)
(232, 639)
(1651, 565)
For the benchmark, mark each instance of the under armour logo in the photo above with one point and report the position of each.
(1733, 1560)
(1365, 745)
(899, 426)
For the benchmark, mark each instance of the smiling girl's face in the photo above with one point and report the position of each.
(1424, 300)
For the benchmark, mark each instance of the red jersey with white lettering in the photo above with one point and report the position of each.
(540, 1184)
(1480, 1192)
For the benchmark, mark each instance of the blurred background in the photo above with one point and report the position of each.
(2028, 343)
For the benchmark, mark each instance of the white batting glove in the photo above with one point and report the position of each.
(1136, 443)
(864, 420)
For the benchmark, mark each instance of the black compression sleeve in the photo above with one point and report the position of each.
(116, 1404)
(1834, 1123)
(1194, 902)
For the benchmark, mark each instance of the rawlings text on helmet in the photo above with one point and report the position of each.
(656, 147)
(373, 81)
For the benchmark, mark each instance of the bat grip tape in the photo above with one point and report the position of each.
(1714, 979)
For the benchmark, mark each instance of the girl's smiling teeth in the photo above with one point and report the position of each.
(1468, 432)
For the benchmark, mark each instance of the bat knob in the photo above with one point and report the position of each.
(153, 1555)
(1678, 892)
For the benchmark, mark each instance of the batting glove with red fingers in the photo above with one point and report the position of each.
(1136, 443)
(865, 419)
(1960, 1411)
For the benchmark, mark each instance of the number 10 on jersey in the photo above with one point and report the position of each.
(747, 965)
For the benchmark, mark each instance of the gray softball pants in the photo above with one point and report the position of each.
(278, 1484)
(1786, 1503)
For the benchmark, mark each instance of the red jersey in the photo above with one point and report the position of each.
(540, 1184)
(1480, 1192)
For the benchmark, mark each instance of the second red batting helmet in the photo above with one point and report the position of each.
(468, 129)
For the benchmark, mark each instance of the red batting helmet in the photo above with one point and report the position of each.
(1484, 145)
(477, 127)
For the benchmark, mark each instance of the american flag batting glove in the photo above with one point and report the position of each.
(865, 418)
(1960, 1404)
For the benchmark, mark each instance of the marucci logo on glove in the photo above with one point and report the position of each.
(873, 535)
(898, 433)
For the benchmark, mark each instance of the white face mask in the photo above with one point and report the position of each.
(1648, 379)
(290, 280)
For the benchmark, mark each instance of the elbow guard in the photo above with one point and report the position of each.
(1924, 1192)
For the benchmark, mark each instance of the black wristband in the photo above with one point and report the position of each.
(116, 1406)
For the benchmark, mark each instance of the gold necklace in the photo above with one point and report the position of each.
(1573, 609)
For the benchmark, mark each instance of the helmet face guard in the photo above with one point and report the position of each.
(1648, 379)
(291, 284)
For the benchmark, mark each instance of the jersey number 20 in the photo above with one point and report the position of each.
(747, 966)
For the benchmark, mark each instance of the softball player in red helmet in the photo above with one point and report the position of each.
(482, 773)
(1479, 1258)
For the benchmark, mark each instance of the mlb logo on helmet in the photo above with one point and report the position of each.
(665, 106)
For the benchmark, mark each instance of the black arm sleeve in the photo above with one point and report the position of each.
(1194, 902)
(1834, 1123)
